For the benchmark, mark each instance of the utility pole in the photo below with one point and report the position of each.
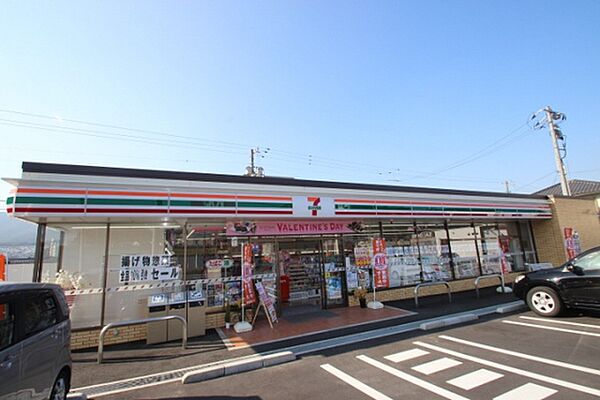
(507, 185)
(551, 118)
(252, 169)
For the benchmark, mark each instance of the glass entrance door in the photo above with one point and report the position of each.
(334, 272)
(300, 265)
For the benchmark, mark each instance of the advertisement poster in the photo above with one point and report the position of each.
(380, 266)
(267, 301)
(362, 257)
(148, 267)
(351, 275)
(334, 287)
(572, 242)
(248, 273)
(301, 227)
(233, 292)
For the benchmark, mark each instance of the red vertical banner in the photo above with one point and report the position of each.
(380, 267)
(572, 242)
(2, 267)
(504, 243)
(248, 273)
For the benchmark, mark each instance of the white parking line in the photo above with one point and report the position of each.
(552, 328)
(529, 391)
(406, 355)
(517, 371)
(523, 355)
(558, 321)
(355, 383)
(434, 366)
(412, 379)
(475, 379)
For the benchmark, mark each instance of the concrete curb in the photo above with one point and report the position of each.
(510, 308)
(238, 366)
(441, 323)
(76, 396)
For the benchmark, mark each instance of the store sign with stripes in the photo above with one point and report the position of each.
(406, 208)
(28, 201)
(25, 201)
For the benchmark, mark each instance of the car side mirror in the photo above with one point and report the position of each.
(575, 269)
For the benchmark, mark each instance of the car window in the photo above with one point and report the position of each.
(39, 312)
(589, 261)
(7, 324)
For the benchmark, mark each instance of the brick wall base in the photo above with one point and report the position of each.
(89, 338)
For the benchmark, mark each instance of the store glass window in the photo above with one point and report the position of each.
(434, 252)
(74, 259)
(488, 241)
(509, 239)
(403, 254)
(527, 242)
(464, 250)
(138, 255)
(358, 253)
(212, 255)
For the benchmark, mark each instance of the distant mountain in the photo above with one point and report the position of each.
(14, 232)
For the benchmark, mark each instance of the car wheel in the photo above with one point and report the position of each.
(59, 390)
(544, 301)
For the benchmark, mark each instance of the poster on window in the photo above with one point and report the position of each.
(148, 268)
(380, 267)
(334, 287)
(248, 273)
(351, 275)
(362, 257)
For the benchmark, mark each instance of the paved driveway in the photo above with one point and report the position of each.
(515, 357)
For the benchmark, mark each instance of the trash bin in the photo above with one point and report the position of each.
(196, 313)
(157, 307)
(177, 302)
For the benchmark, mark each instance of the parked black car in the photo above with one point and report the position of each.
(575, 284)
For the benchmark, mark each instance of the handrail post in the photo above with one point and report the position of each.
(112, 325)
(479, 278)
(416, 290)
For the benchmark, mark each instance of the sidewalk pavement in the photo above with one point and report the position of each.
(138, 359)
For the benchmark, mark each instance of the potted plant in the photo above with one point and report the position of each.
(361, 294)
(227, 314)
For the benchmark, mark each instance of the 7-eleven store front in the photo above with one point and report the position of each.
(118, 239)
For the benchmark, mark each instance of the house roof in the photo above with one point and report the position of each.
(579, 187)
(32, 167)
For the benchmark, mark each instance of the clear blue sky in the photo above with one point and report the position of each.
(376, 91)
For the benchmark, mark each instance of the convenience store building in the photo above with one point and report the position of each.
(114, 238)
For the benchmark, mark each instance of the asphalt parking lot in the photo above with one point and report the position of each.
(519, 356)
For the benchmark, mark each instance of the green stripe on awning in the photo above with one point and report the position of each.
(10, 200)
(49, 200)
(253, 204)
(355, 207)
(202, 203)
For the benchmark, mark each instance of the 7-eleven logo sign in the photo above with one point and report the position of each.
(314, 206)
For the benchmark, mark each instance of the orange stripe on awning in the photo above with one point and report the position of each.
(50, 191)
(127, 193)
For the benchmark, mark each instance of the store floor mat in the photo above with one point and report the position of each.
(289, 327)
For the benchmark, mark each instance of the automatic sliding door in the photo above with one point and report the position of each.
(334, 291)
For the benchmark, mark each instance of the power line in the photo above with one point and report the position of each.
(119, 127)
(496, 145)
